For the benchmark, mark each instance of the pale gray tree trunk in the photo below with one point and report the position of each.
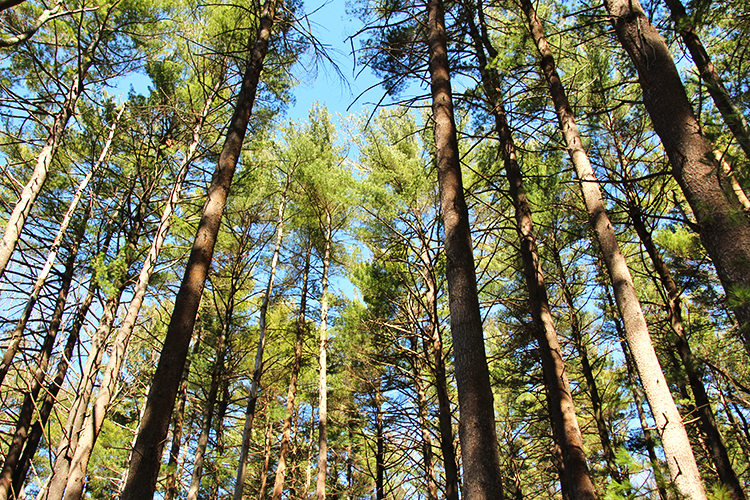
(323, 366)
(11, 350)
(258, 370)
(682, 465)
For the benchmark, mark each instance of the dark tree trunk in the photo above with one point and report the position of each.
(477, 434)
(144, 466)
(723, 228)
(682, 465)
(562, 410)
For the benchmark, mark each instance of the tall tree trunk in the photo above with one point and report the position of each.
(379, 447)
(32, 188)
(711, 434)
(170, 488)
(588, 372)
(258, 370)
(433, 347)
(281, 467)
(323, 365)
(724, 230)
(266, 457)
(562, 409)
(633, 385)
(477, 422)
(144, 468)
(15, 342)
(50, 397)
(682, 466)
(733, 116)
(424, 421)
(26, 415)
(76, 425)
(108, 387)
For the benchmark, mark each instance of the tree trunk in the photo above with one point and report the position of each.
(733, 116)
(208, 413)
(108, 387)
(379, 447)
(281, 467)
(258, 370)
(712, 436)
(266, 457)
(588, 372)
(15, 342)
(144, 468)
(26, 415)
(433, 347)
(477, 422)
(424, 422)
(633, 385)
(682, 465)
(170, 488)
(44, 159)
(50, 398)
(724, 231)
(562, 410)
(323, 364)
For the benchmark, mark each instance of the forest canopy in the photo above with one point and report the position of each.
(521, 270)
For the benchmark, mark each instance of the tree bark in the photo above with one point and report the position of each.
(709, 427)
(15, 342)
(481, 479)
(588, 372)
(108, 387)
(682, 465)
(258, 370)
(208, 413)
(723, 228)
(562, 410)
(323, 365)
(281, 467)
(144, 468)
(50, 398)
(26, 415)
(733, 116)
(39, 175)
(178, 420)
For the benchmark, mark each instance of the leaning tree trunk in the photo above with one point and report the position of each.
(562, 410)
(107, 389)
(28, 407)
(75, 426)
(32, 188)
(477, 433)
(17, 335)
(258, 370)
(682, 465)
(723, 228)
(732, 115)
(632, 384)
(323, 365)
(278, 486)
(588, 372)
(50, 397)
(144, 468)
(713, 440)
